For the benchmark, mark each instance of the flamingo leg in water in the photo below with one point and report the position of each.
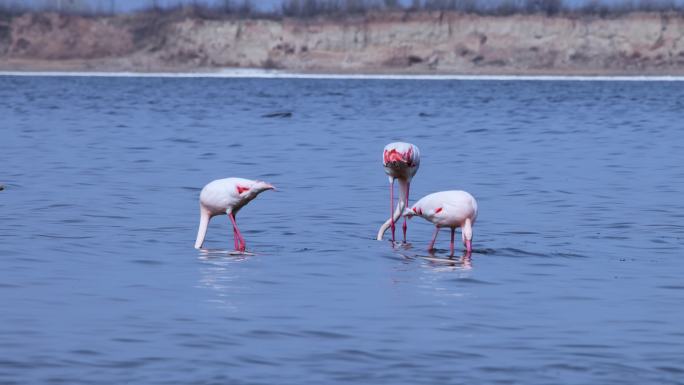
(235, 236)
(242, 244)
(453, 231)
(235, 239)
(241, 241)
(434, 238)
(392, 206)
(406, 204)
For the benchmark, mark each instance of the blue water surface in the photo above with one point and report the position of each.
(577, 275)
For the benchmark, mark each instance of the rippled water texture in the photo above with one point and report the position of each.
(577, 275)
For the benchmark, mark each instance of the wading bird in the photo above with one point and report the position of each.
(227, 196)
(401, 161)
(448, 209)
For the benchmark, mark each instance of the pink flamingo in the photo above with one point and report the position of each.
(227, 196)
(401, 161)
(448, 209)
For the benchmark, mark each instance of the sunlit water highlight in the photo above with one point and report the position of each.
(576, 276)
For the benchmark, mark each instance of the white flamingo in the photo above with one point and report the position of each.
(401, 161)
(227, 196)
(448, 209)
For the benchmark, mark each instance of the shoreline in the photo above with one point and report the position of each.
(257, 73)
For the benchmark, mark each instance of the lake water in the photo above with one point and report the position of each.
(577, 275)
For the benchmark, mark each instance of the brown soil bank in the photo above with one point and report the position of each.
(639, 43)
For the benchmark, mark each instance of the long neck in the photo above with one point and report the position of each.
(202, 232)
(403, 203)
(403, 190)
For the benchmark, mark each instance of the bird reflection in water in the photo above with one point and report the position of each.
(464, 262)
(445, 263)
(218, 273)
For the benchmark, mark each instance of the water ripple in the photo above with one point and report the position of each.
(575, 276)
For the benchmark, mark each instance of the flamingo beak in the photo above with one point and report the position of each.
(263, 186)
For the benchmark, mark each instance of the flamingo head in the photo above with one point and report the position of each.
(260, 186)
(416, 210)
(411, 212)
(253, 188)
(396, 159)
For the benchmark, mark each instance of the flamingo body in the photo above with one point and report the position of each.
(226, 197)
(401, 161)
(451, 209)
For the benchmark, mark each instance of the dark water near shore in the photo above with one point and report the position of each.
(577, 275)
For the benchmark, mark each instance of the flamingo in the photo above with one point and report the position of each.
(401, 161)
(227, 196)
(448, 209)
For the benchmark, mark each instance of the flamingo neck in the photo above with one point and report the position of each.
(403, 189)
(202, 231)
(401, 205)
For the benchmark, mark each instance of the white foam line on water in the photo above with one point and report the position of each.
(272, 74)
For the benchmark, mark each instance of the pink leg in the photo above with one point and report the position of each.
(453, 231)
(241, 243)
(469, 246)
(392, 206)
(434, 238)
(241, 240)
(408, 184)
(235, 239)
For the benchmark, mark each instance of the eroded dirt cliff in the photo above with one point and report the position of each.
(646, 43)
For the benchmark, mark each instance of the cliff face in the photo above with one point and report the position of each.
(55, 37)
(427, 42)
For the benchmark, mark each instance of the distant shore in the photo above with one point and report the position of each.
(425, 43)
(245, 73)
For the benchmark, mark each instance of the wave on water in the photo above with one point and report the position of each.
(255, 73)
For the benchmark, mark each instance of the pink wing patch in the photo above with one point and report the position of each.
(395, 156)
(438, 210)
(241, 189)
(392, 156)
(409, 156)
